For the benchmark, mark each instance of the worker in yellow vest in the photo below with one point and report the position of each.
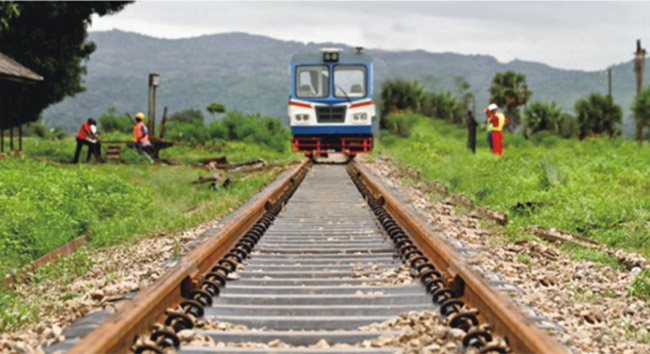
(496, 122)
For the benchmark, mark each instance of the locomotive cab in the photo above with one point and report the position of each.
(330, 106)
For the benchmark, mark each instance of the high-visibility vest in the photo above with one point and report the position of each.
(83, 132)
(140, 133)
(499, 122)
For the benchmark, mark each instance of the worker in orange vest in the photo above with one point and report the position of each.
(87, 136)
(141, 135)
(496, 122)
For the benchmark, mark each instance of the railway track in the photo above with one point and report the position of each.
(312, 254)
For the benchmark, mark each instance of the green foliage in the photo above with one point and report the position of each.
(509, 90)
(235, 126)
(49, 206)
(193, 116)
(443, 106)
(113, 123)
(641, 285)
(549, 117)
(400, 124)
(50, 39)
(596, 188)
(215, 107)
(598, 114)
(8, 11)
(400, 95)
(14, 312)
(641, 109)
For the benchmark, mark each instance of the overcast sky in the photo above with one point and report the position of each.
(572, 35)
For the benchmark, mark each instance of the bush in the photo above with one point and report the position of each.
(193, 116)
(400, 124)
(236, 126)
(598, 114)
(547, 117)
(444, 106)
(111, 122)
(398, 96)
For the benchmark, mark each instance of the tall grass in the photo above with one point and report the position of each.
(596, 188)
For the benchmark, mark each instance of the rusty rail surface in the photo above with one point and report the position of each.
(137, 316)
(521, 334)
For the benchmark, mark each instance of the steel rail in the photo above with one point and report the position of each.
(137, 316)
(521, 334)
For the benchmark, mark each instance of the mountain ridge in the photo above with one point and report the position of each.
(249, 72)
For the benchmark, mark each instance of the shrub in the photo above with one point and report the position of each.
(111, 122)
(192, 115)
(444, 106)
(547, 117)
(400, 124)
(236, 126)
(398, 96)
(598, 114)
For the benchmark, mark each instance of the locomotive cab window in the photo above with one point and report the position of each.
(312, 81)
(350, 81)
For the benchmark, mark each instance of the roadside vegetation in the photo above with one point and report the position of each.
(595, 188)
(45, 201)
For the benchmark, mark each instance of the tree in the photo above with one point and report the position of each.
(509, 90)
(443, 105)
(641, 109)
(549, 117)
(50, 38)
(215, 107)
(598, 114)
(399, 95)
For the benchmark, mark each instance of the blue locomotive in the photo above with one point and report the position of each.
(331, 107)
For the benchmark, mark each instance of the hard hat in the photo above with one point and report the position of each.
(140, 115)
(492, 107)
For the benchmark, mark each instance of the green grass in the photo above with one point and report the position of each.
(45, 203)
(597, 188)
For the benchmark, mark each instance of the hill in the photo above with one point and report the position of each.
(250, 73)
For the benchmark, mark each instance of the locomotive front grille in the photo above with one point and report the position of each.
(327, 114)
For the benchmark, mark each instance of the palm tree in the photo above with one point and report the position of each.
(509, 90)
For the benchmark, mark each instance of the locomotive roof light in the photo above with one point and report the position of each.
(330, 54)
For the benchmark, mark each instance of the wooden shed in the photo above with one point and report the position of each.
(12, 75)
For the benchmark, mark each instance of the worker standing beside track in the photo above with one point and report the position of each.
(488, 127)
(496, 122)
(141, 135)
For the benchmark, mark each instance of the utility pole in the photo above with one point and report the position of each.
(639, 64)
(154, 80)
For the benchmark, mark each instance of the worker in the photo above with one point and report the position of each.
(471, 130)
(87, 136)
(488, 127)
(141, 135)
(496, 121)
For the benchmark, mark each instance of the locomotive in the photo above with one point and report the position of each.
(330, 106)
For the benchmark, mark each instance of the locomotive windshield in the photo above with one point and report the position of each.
(350, 81)
(312, 81)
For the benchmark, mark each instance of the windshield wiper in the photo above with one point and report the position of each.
(345, 93)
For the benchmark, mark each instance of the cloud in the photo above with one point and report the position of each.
(573, 35)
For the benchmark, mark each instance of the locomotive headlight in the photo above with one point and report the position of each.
(360, 116)
(302, 116)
